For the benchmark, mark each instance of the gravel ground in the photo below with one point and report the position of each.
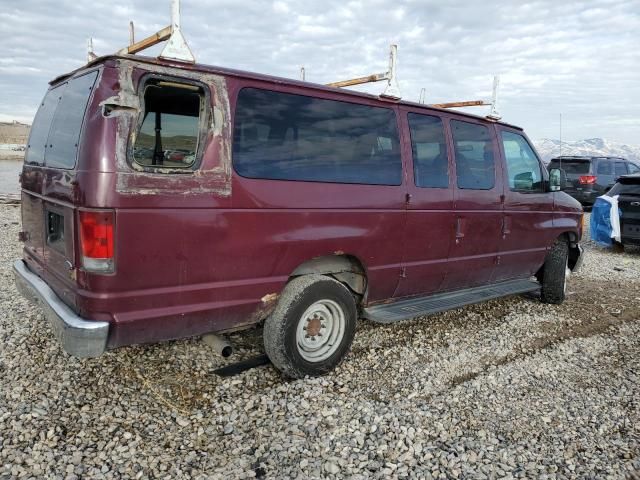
(507, 389)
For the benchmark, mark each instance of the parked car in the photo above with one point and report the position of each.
(628, 191)
(589, 177)
(296, 205)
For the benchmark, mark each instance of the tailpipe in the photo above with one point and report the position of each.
(219, 344)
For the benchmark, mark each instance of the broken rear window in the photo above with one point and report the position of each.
(170, 128)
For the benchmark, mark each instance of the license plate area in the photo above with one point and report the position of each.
(55, 231)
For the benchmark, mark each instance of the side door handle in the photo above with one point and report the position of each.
(506, 225)
(459, 229)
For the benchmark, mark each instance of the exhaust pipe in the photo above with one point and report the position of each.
(219, 344)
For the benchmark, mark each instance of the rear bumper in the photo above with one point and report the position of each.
(630, 241)
(79, 337)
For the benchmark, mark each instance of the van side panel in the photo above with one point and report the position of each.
(359, 220)
(478, 223)
(528, 225)
(430, 223)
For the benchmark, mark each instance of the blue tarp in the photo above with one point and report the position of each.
(605, 221)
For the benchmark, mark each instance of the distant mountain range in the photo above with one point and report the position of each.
(594, 147)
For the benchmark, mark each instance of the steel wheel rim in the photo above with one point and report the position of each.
(320, 330)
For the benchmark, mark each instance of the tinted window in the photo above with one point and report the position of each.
(429, 147)
(293, 137)
(605, 167)
(625, 189)
(621, 169)
(633, 168)
(475, 166)
(574, 167)
(67, 122)
(42, 125)
(170, 128)
(523, 167)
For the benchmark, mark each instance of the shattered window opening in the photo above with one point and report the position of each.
(168, 135)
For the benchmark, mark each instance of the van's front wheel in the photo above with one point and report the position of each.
(555, 272)
(312, 327)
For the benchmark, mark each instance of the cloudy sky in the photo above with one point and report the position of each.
(579, 59)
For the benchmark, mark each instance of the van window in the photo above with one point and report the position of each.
(41, 126)
(282, 136)
(429, 147)
(475, 165)
(56, 128)
(170, 128)
(633, 168)
(523, 167)
(67, 122)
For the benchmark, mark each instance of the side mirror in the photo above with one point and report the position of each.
(557, 178)
(523, 181)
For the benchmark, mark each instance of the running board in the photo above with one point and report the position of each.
(416, 307)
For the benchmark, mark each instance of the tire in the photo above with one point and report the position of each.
(311, 308)
(554, 273)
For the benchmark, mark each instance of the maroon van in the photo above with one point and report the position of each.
(162, 200)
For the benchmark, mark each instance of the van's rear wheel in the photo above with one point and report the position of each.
(555, 272)
(312, 327)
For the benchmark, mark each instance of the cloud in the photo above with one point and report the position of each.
(577, 58)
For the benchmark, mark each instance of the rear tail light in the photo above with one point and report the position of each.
(587, 180)
(96, 240)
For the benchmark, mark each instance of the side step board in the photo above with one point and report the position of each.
(416, 307)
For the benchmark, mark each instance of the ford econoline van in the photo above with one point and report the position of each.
(162, 200)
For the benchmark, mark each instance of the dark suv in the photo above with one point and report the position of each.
(628, 191)
(589, 177)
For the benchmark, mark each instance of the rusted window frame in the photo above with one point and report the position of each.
(205, 118)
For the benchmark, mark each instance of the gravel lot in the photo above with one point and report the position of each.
(507, 389)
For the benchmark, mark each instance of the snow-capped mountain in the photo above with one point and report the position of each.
(595, 147)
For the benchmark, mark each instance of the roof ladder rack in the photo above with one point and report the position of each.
(493, 113)
(176, 47)
(392, 90)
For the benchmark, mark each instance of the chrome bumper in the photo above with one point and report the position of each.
(79, 337)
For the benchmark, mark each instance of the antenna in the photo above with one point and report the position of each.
(176, 47)
(392, 90)
(561, 141)
(423, 95)
(302, 74)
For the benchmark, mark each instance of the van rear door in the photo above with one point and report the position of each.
(32, 180)
(48, 194)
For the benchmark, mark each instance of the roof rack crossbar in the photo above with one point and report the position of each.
(392, 90)
(493, 113)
